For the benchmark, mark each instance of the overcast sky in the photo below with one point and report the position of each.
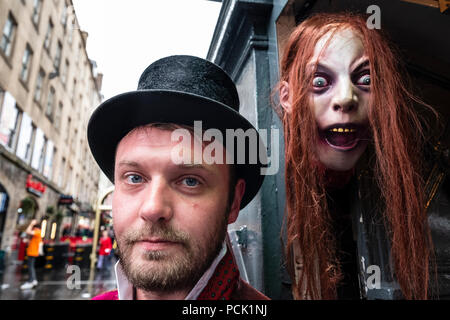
(125, 36)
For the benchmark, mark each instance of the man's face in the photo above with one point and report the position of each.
(340, 99)
(170, 220)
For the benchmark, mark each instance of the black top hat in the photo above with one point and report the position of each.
(180, 90)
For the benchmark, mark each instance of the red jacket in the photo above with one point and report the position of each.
(243, 291)
(225, 283)
(105, 246)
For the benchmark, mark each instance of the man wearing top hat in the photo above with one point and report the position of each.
(170, 218)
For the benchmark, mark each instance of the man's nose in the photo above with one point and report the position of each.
(156, 207)
(345, 98)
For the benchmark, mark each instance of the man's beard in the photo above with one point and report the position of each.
(164, 271)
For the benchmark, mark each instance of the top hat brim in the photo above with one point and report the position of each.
(117, 116)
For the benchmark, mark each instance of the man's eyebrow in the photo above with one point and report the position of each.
(128, 163)
(193, 166)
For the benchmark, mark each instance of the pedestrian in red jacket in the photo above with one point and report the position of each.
(105, 249)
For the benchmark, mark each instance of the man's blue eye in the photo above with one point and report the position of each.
(134, 178)
(191, 182)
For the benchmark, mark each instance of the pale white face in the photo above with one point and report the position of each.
(340, 99)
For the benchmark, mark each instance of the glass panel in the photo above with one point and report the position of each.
(25, 139)
(8, 120)
(49, 159)
(37, 94)
(58, 112)
(50, 102)
(4, 43)
(58, 56)
(8, 28)
(25, 64)
(38, 149)
(64, 72)
(61, 172)
(64, 15)
(48, 35)
(36, 10)
(68, 187)
(8, 33)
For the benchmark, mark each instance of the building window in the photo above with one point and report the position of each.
(57, 60)
(58, 112)
(48, 35)
(64, 15)
(64, 72)
(9, 32)
(48, 164)
(62, 169)
(74, 89)
(37, 5)
(9, 122)
(37, 160)
(81, 190)
(68, 187)
(70, 35)
(39, 82)
(2, 95)
(73, 140)
(68, 130)
(26, 62)
(27, 131)
(50, 103)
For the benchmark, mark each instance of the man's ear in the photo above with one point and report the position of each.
(236, 205)
(285, 98)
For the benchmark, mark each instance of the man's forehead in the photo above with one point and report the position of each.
(138, 164)
(136, 148)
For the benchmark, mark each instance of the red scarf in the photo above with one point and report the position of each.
(224, 280)
(220, 287)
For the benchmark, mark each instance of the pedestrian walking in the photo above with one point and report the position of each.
(104, 251)
(34, 231)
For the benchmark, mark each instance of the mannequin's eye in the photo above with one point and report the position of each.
(364, 80)
(320, 82)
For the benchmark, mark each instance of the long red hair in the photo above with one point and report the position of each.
(397, 136)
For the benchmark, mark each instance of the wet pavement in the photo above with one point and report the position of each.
(64, 283)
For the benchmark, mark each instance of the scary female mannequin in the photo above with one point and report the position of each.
(357, 224)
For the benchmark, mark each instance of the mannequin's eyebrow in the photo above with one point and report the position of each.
(361, 66)
(323, 68)
(320, 67)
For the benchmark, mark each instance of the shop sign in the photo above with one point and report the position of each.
(35, 187)
(65, 199)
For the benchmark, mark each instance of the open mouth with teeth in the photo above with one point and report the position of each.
(343, 137)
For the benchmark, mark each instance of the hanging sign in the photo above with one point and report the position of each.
(65, 199)
(35, 187)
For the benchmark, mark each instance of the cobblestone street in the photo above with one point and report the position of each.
(56, 284)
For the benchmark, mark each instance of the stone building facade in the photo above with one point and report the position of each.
(48, 89)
